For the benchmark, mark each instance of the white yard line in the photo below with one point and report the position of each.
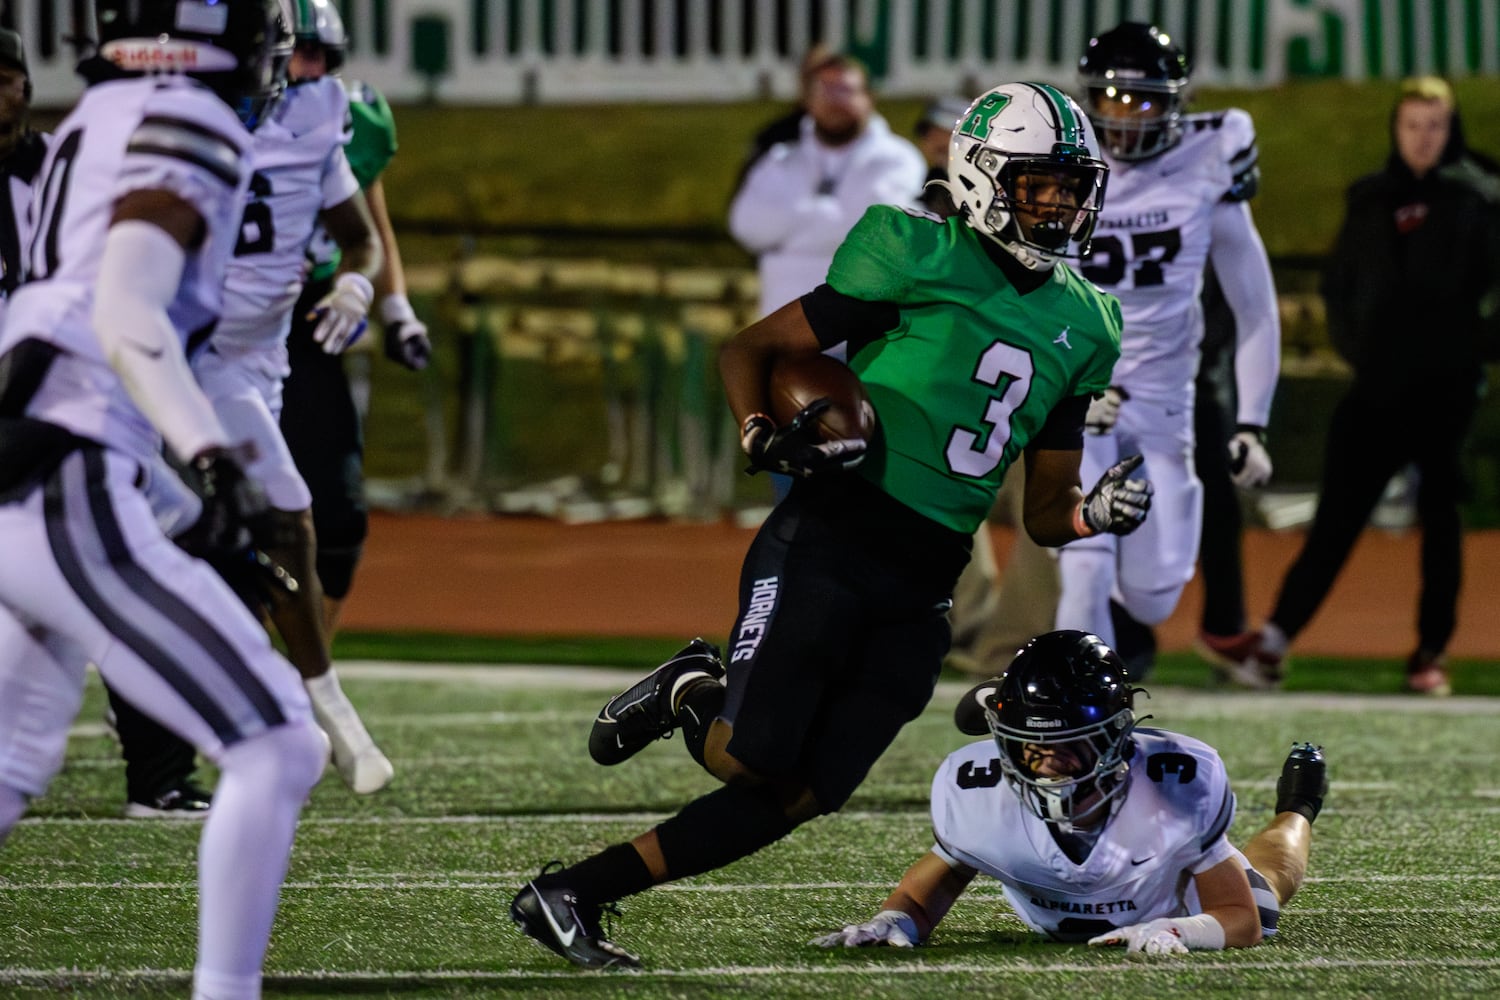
(508, 880)
(918, 967)
(1226, 702)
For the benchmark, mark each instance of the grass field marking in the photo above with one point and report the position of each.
(918, 967)
(1236, 703)
(1181, 702)
(501, 880)
(465, 820)
(914, 815)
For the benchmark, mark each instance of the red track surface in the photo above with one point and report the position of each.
(529, 576)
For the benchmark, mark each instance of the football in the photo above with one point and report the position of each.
(798, 381)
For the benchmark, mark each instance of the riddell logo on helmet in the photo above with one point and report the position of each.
(1032, 722)
(140, 55)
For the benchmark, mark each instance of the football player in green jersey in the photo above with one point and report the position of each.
(977, 347)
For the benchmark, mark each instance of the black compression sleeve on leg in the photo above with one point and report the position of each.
(725, 825)
(613, 873)
(701, 703)
(336, 569)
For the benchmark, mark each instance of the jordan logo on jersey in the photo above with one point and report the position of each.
(1062, 338)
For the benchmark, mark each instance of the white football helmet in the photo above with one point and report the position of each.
(1026, 129)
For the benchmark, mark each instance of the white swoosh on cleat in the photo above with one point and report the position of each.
(566, 940)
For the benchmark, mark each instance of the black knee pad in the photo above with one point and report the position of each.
(341, 534)
(336, 569)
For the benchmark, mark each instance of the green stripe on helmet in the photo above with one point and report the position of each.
(1069, 125)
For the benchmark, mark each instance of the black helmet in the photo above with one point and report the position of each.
(256, 108)
(1143, 72)
(228, 44)
(1065, 692)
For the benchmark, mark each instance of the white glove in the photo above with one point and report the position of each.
(341, 313)
(1117, 503)
(406, 340)
(1104, 411)
(892, 927)
(1249, 462)
(1167, 936)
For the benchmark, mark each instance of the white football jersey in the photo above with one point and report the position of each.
(299, 169)
(1171, 825)
(1152, 244)
(158, 133)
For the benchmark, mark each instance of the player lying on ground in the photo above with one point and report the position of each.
(1098, 830)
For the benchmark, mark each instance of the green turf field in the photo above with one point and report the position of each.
(404, 894)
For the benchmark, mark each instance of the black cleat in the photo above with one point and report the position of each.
(968, 714)
(183, 800)
(556, 919)
(1303, 782)
(645, 711)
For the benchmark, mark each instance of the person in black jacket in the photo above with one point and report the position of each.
(1413, 289)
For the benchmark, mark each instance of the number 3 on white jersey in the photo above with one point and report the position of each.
(1009, 369)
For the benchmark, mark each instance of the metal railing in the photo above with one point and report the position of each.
(561, 51)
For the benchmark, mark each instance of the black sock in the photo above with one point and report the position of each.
(612, 874)
(699, 705)
(1309, 807)
(725, 825)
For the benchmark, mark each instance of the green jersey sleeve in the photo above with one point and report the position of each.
(374, 141)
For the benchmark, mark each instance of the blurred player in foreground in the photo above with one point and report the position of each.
(1098, 830)
(844, 593)
(300, 180)
(138, 210)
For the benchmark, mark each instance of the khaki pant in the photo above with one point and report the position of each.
(995, 613)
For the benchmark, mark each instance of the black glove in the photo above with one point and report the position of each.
(406, 340)
(234, 507)
(1249, 461)
(235, 525)
(1117, 503)
(797, 449)
(407, 344)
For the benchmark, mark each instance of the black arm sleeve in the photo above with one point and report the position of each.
(1063, 430)
(836, 317)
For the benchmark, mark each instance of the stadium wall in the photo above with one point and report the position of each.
(563, 51)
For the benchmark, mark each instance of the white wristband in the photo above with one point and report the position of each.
(396, 308)
(1201, 932)
(903, 920)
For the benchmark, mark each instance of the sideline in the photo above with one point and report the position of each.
(531, 676)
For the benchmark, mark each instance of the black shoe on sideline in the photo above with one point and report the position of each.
(182, 801)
